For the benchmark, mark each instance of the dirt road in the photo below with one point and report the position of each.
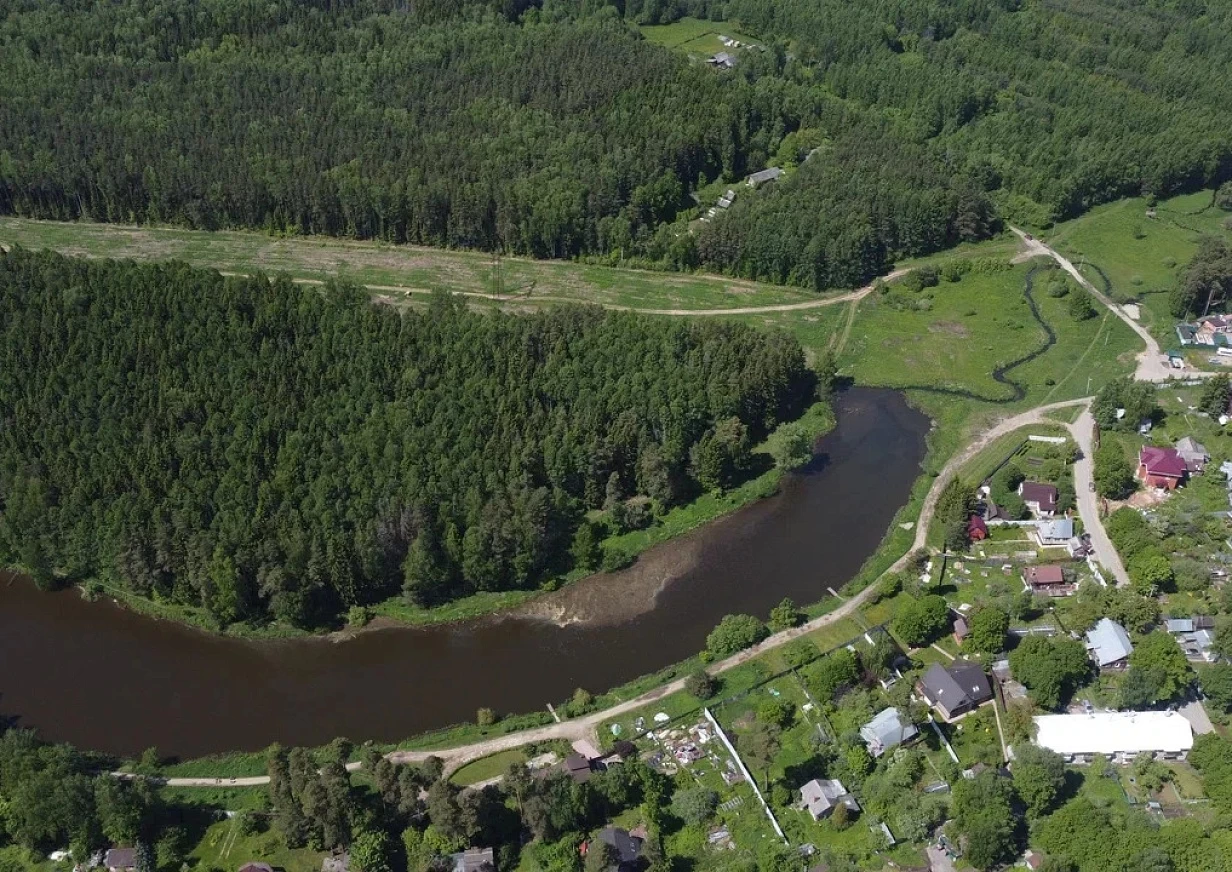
(850, 297)
(1152, 365)
(1088, 504)
(587, 727)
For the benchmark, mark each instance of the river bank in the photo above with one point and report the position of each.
(198, 693)
(551, 601)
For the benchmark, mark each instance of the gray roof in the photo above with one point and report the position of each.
(1190, 448)
(1226, 468)
(766, 175)
(957, 686)
(1179, 625)
(1203, 639)
(1058, 530)
(886, 730)
(121, 858)
(1109, 642)
(474, 860)
(821, 795)
(628, 847)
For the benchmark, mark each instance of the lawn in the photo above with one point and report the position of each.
(952, 337)
(486, 768)
(695, 37)
(1141, 256)
(225, 847)
(405, 269)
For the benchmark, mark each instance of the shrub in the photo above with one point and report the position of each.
(735, 633)
(700, 684)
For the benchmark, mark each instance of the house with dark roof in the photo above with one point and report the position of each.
(120, 859)
(628, 846)
(1109, 645)
(1040, 498)
(1161, 467)
(474, 860)
(887, 730)
(955, 689)
(1048, 580)
(579, 767)
(723, 60)
(822, 795)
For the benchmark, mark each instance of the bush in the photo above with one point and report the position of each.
(616, 558)
(700, 684)
(785, 615)
(485, 717)
(1080, 306)
(358, 616)
(695, 805)
(921, 621)
(735, 633)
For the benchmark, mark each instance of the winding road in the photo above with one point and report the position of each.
(1151, 367)
(587, 727)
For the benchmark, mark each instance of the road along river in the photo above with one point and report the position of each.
(107, 679)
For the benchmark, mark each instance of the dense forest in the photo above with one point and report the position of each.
(263, 449)
(554, 129)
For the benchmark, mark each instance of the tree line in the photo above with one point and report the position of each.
(270, 451)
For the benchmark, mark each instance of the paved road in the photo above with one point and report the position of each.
(1083, 431)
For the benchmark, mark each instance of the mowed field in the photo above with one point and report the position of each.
(694, 36)
(400, 270)
(1142, 256)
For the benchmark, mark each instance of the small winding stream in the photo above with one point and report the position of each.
(107, 679)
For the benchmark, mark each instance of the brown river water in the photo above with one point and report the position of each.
(107, 679)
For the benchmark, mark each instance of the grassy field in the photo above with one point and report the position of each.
(486, 768)
(695, 37)
(404, 269)
(1142, 256)
(225, 847)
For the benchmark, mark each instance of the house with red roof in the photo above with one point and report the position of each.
(1161, 467)
(977, 530)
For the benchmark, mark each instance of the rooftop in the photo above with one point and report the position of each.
(886, 730)
(1109, 642)
(1114, 733)
(1038, 492)
(1058, 530)
(1162, 461)
(1049, 574)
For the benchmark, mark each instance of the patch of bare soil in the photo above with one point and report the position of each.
(950, 328)
(616, 597)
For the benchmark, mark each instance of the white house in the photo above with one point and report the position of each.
(1121, 736)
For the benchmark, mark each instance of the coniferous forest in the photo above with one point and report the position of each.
(555, 129)
(268, 450)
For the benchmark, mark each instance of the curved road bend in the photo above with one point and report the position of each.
(587, 727)
(1151, 364)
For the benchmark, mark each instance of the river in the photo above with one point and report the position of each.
(107, 679)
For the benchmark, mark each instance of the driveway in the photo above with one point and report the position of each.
(1088, 503)
(938, 860)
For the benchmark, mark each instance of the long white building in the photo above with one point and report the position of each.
(1119, 735)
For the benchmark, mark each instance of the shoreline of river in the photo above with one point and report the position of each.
(537, 604)
(204, 693)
